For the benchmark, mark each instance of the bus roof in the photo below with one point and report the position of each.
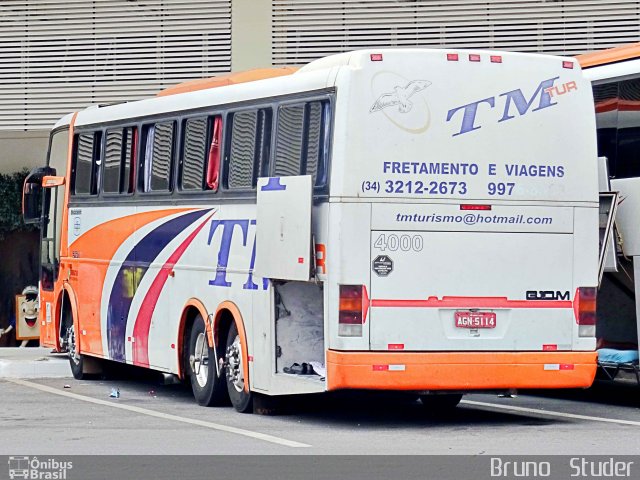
(611, 55)
(228, 79)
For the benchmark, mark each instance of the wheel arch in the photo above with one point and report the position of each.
(67, 303)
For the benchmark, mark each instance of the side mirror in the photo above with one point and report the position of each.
(32, 194)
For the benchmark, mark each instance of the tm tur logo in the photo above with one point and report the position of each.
(544, 93)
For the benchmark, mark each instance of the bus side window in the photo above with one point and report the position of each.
(194, 154)
(316, 164)
(628, 152)
(130, 150)
(86, 163)
(157, 157)
(607, 101)
(302, 138)
(248, 156)
(112, 161)
(119, 160)
(289, 140)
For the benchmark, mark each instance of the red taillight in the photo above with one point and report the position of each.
(475, 207)
(567, 64)
(496, 59)
(474, 57)
(351, 313)
(585, 311)
(452, 57)
(376, 57)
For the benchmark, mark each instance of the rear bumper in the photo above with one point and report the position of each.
(459, 370)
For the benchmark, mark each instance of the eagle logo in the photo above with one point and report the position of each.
(400, 96)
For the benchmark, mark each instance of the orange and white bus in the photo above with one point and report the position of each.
(406, 219)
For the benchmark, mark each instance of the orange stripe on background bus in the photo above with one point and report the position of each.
(611, 55)
(613, 104)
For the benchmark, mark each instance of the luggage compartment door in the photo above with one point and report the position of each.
(283, 238)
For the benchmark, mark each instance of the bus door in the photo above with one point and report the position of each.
(50, 218)
(50, 259)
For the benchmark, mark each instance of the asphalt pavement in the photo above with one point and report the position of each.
(59, 415)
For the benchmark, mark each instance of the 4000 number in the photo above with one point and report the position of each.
(394, 243)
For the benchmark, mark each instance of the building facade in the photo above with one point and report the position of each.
(58, 56)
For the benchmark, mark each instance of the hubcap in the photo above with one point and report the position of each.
(200, 360)
(235, 373)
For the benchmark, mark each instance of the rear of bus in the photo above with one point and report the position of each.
(463, 244)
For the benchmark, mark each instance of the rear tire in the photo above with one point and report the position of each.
(208, 387)
(241, 399)
(441, 403)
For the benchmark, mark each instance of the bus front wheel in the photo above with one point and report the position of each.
(240, 398)
(208, 386)
(75, 359)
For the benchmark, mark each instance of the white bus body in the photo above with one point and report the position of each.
(455, 240)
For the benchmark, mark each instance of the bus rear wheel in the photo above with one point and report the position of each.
(240, 398)
(441, 403)
(209, 387)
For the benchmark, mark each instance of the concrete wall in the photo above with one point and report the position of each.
(22, 149)
(250, 34)
(250, 48)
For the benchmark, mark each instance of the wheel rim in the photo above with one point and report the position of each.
(201, 360)
(235, 372)
(71, 345)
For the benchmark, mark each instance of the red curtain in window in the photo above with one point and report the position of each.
(213, 165)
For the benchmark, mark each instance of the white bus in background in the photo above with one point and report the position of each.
(615, 76)
(410, 220)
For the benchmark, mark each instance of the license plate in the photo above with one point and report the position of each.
(475, 319)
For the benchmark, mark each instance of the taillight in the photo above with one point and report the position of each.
(350, 314)
(585, 311)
